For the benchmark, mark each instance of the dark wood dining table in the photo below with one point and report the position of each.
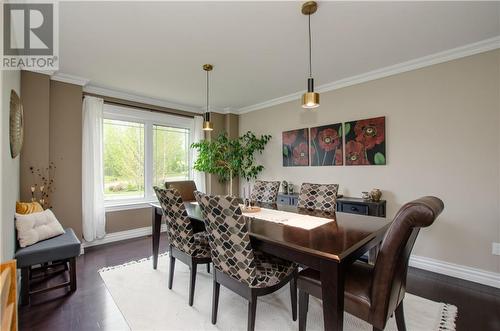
(329, 248)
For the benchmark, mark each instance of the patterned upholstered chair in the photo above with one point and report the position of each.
(237, 265)
(265, 192)
(318, 196)
(189, 247)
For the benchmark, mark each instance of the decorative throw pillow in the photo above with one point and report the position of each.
(28, 207)
(32, 228)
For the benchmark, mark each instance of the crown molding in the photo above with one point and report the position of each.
(139, 98)
(65, 78)
(425, 61)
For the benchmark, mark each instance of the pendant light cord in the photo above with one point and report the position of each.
(310, 52)
(207, 94)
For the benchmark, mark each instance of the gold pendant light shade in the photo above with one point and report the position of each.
(310, 100)
(208, 126)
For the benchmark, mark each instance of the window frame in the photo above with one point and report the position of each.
(148, 119)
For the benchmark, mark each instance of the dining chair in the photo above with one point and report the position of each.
(237, 266)
(265, 191)
(374, 292)
(189, 247)
(185, 188)
(318, 196)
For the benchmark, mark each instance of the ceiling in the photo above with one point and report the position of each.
(259, 49)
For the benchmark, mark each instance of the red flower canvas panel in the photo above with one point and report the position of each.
(296, 148)
(326, 147)
(365, 142)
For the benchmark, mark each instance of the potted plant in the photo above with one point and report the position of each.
(228, 158)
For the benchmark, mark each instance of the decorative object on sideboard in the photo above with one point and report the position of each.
(295, 148)
(16, 124)
(375, 194)
(326, 146)
(366, 195)
(365, 142)
(230, 157)
(284, 185)
(43, 184)
(290, 188)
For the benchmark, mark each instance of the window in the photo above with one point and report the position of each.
(123, 159)
(140, 150)
(170, 154)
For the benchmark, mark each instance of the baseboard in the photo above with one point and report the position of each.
(119, 236)
(455, 270)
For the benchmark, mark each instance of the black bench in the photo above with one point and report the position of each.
(60, 250)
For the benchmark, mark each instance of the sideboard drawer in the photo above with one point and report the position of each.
(283, 200)
(354, 208)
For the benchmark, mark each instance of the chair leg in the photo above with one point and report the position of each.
(215, 301)
(192, 283)
(25, 286)
(252, 309)
(293, 296)
(208, 267)
(400, 317)
(171, 272)
(303, 308)
(72, 274)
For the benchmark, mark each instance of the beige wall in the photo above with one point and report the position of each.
(65, 137)
(9, 168)
(442, 129)
(35, 153)
(128, 219)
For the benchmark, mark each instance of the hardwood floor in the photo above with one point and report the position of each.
(93, 308)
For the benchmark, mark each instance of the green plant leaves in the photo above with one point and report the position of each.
(225, 156)
(379, 158)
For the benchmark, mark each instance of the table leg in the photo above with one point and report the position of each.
(332, 289)
(156, 227)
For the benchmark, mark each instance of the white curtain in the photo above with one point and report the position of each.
(94, 217)
(199, 134)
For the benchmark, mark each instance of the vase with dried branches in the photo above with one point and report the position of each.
(43, 184)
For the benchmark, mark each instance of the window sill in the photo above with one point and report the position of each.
(119, 206)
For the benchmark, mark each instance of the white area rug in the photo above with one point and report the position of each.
(145, 301)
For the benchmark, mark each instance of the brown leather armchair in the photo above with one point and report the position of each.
(374, 292)
(186, 189)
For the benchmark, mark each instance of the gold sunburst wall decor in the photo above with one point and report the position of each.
(16, 124)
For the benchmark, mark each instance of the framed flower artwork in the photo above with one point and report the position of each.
(365, 142)
(296, 148)
(326, 147)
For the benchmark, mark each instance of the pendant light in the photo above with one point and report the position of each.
(207, 125)
(310, 99)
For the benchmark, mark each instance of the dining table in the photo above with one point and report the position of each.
(328, 248)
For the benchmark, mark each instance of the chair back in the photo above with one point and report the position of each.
(318, 196)
(391, 266)
(179, 228)
(228, 237)
(186, 189)
(265, 192)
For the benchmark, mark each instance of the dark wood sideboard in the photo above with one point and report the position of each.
(344, 204)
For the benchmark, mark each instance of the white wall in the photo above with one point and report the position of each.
(442, 139)
(9, 168)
